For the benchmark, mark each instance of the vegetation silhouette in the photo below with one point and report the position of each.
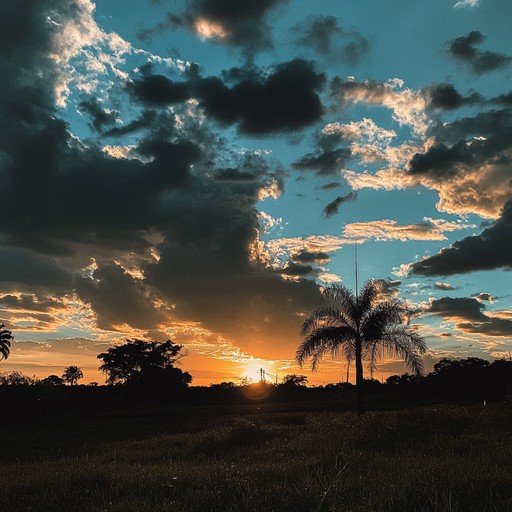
(72, 374)
(53, 380)
(6, 338)
(145, 364)
(293, 380)
(361, 327)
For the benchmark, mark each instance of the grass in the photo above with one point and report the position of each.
(257, 458)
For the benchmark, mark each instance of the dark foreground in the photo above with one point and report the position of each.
(260, 457)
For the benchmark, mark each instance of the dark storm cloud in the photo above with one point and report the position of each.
(461, 307)
(207, 268)
(464, 49)
(293, 269)
(467, 313)
(503, 99)
(29, 302)
(311, 257)
(333, 207)
(459, 147)
(243, 23)
(24, 270)
(145, 120)
(490, 250)
(118, 299)
(446, 97)
(159, 90)
(250, 168)
(99, 116)
(441, 159)
(75, 203)
(323, 163)
(285, 100)
(324, 35)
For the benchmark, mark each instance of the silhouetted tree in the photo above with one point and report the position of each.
(15, 378)
(52, 380)
(294, 380)
(360, 327)
(72, 374)
(147, 362)
(6, 338)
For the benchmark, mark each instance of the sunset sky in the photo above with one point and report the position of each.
(198, 169)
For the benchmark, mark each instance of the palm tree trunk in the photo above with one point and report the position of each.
(359, 379)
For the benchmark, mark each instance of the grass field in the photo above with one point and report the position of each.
(261, 457)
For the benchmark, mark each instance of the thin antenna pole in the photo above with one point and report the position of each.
(355, 261)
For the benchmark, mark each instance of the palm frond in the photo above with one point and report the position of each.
(381, 317)
(367, 297)
(6, 338)
(344, 299)
(323, 317)
(323, 339)
(407, 344)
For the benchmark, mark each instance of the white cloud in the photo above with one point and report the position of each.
(467, 3)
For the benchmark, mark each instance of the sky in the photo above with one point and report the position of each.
(197, 170)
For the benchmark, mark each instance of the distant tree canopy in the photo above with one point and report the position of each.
(6, 338)
(295, 380)
(145, 362)
(72, 374)
(15, 378)
(52, 380)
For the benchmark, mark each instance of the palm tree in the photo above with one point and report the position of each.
(5, 342)
(72, 374)
(361, 327)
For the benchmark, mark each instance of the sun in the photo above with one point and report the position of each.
(252, 370)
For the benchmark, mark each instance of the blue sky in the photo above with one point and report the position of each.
(198, 169)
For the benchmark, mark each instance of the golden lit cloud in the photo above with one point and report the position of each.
(429, 229)
(208, 29)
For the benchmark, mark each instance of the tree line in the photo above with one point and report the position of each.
(360, 327)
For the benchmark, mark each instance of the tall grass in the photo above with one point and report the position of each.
(431, 459)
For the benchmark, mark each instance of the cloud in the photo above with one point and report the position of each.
(489, 250)
(282, 99)
(468, 316)
(484, 297)
(283, 247)
(443, 286)
(324, 35)
(170, 232)
(305, 256)
(158, 90)
(446, 97)
(333, 207)
(285, 100)
(479, 62)
(467, 3)
(100, 117)
(465, 161)
(323, 163)
(383, 230)
(408, 106)
(239, 24)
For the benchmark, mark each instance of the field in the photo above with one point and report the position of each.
(261, 457)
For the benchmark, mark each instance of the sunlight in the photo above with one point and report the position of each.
(207, 29)
(251, 370)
